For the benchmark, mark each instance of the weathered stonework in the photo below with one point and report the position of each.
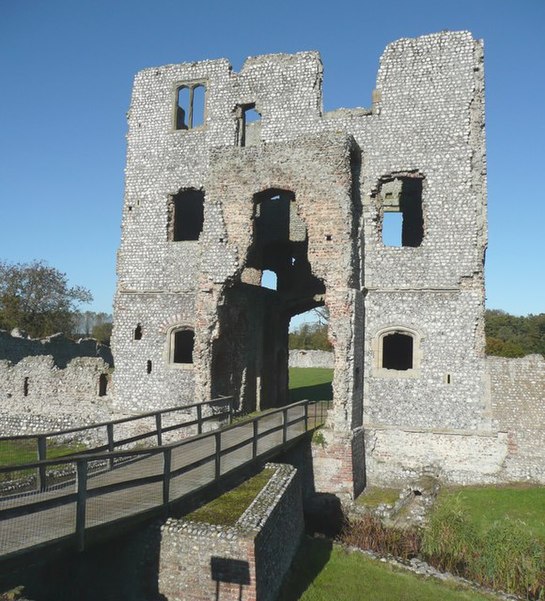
(305, 194)
(245, 562)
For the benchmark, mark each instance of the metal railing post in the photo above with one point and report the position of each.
(254, 439)
(306, 417)
(81, 502)
(231, 410)
(159, 428)
(167, 463)
(111, 445)
(217, 436)
(41, 483)
(199, 419)
(284, 426)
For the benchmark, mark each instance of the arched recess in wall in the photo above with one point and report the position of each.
(397, 352)
(180, 346)
(258, 356)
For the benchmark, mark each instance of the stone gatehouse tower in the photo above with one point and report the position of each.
(232, 174)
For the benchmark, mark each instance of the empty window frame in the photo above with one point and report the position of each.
(182, 342)
(186, 215)
(403, 221)
(397, 351)
(190, 106)
(249, 125)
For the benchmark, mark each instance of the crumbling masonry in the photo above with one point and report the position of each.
(233, 174)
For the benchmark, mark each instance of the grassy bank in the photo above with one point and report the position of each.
(313, 383)
(322, 572)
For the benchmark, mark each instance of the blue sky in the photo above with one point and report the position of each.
(66, 74)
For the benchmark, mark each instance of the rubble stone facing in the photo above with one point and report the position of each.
(304, 358)
(247, 561)
(38, 397)
(517, 392)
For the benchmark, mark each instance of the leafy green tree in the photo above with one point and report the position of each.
(103, 332)
(310, 336)
(514, 336)
(37, 298)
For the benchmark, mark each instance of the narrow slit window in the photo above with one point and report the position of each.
(397, 351)
(190, 106)
(138, 332)
(148, 367)
(186, 215)
(25, 387)
(102, 385)
(183, 343)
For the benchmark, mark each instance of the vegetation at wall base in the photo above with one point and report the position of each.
(226, 509)
(322, 571)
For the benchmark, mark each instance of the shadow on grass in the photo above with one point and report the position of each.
(312, 556)
(318, 392)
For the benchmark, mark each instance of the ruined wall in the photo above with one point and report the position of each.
(37, 396)
(15, 346)
(303, 358)
(517, 393)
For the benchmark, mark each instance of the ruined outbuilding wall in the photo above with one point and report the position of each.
(37, 396)
(15, 346)
(52, 383)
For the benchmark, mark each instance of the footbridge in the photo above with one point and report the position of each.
(68, 500)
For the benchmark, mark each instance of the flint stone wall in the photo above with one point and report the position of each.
(37, 396)
(14, 348)
(304, 358)
(249, 559)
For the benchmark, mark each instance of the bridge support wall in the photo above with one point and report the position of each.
(245, 562)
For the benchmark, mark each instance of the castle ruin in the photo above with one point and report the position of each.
(232, 174)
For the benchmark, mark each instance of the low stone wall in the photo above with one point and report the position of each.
(510, 449)
(15, 346)
(246, 562)
(302, 358)
(517, 392)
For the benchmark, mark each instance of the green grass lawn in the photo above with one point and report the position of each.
(24, 451)
(313, 383)
(488, 504)
(226, 509)
(322, 572)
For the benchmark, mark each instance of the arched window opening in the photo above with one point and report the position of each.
(397, 351)
(102, 385)
(182, 342)
(138, 332)
(190, 106)
(186, 215)
(403, 221)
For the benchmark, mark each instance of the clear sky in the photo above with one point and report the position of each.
(66, 71)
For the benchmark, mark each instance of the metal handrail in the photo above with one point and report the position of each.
(83, 492)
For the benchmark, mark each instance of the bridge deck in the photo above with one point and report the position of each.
(24, 532)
